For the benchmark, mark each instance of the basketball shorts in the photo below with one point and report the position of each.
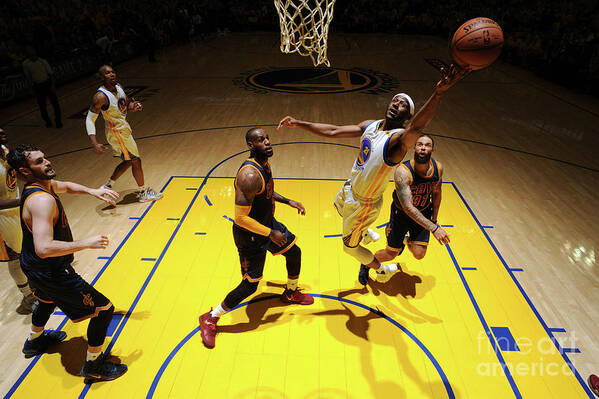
(10, 231)
(122, 143)
(357, 215)
(400, 224)
(252, 249)
(67, 290)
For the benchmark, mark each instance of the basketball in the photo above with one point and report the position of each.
(477, 43)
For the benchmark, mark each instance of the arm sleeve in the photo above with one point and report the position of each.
(243, 219)
(90, 123)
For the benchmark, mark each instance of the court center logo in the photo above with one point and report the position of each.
(316, 81)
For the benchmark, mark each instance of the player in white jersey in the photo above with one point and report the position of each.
(383, 145)
(113, 103)
(11, 236)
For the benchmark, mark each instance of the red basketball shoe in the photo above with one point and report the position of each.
(296, 296)
(594, 383)
(208, 329)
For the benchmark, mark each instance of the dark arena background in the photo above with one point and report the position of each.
(508, 308)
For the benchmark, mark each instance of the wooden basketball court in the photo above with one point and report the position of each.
(507, 309)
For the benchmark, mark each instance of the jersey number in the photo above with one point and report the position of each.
(420, 201)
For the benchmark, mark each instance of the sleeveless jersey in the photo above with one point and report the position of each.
(116, 113)
(263, 205)
(8, 177)
(421, 187)
(372, 170)
(62, 232)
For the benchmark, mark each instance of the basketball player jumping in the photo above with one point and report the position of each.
(46, 258)
(255, 231)
(383, 145)
(113, 103)
(415, 206)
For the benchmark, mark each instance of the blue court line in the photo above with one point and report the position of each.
(505, 339)
(447, 225)
(526, 298)
(84, 392)
(103, 257)
(488, 227)
(116, 319)
(570, 350)
(382, 225)
(207, 200)
(469, 268)
(61, 325)
(516, 270)
(430, 356)
(59, 313)
(64, 321)
(332, 235)
(200, 234)
(228, 218)
(191, 188)
(151, 274)
(172, 219)
(147, 281)
(492, 341)
(561, 330)
(148, 259)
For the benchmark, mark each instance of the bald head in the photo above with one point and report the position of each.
(251, 133)
(107, 74)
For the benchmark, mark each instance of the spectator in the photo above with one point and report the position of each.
(39, 73)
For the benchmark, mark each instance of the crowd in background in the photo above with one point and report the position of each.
(558, 40)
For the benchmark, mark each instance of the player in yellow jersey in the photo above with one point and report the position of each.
(10, 228)
(383, 145)
(113, 103)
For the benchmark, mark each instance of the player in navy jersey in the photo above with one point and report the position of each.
(46, 257)
(256, 231)
(415, 206)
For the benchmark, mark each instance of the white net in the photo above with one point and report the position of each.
(305, 27)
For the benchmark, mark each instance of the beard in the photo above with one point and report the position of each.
(47, 175)
(422, 159)
(262, 154)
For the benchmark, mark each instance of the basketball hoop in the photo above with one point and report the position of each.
(305, 27)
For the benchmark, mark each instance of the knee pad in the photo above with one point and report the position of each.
(360, 253)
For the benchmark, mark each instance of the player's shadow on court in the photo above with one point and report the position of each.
(72, 354)
(256, 311)
(126, 197)
(401, 283)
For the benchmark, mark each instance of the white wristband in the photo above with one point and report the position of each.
(90, 123)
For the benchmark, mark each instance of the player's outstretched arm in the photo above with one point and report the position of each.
(449, 77)
(294, 204)
(104, 194)
(325, 129)
(248, 183)
(98, 101)
(404, 193)
(42, 208)
(9, 203)
(437, 194)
